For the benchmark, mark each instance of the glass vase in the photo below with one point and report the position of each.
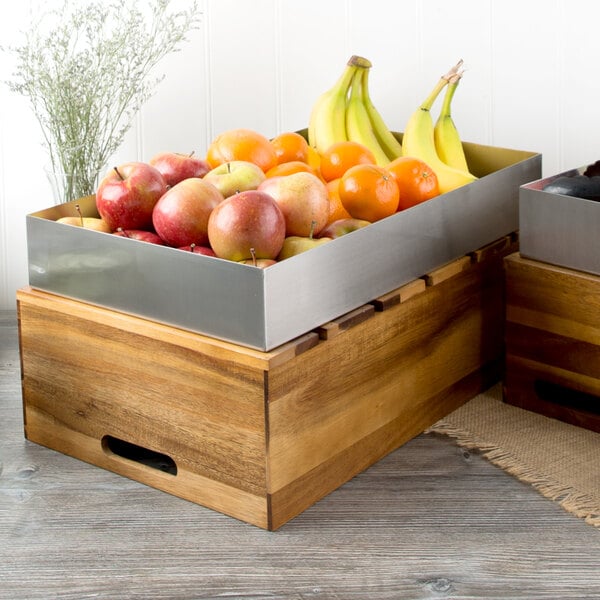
(71, 186)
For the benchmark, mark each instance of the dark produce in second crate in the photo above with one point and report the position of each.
(585, 186)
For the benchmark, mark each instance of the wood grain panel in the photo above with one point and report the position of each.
(382, 369)
(205, 413)
(553, 341)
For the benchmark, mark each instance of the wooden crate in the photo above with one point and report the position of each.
(260, 436)
(553, 341)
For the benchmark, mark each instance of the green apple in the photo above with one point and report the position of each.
(296, 244)
(96, 223)
(235, 176)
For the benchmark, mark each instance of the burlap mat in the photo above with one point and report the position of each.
(559, 460)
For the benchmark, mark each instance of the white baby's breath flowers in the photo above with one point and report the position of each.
(87, 68)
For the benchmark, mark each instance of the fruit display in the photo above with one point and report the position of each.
(258, 200)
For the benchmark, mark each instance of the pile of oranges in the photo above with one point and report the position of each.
(357, 187)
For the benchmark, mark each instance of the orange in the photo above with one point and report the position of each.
(336, 208)
(339, 157)
(241, 144)
(369, 192)
(416, 181)
(287, 168)
(314, 159)
(290, 146)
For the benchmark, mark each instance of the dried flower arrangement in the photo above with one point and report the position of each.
(86, 70)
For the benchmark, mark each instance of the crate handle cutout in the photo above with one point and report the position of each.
(567, 397)
(139, 454)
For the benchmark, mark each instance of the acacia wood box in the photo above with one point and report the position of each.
(553, 341)
(260, 436)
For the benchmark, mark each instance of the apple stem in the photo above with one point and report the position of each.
(119, 174)
(192, 246)
(313, 224)
(121, 230)
(192, 153)
(228, 167)
(78, 209)
(253, 254)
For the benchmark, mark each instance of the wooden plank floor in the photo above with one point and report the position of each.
(428, 521)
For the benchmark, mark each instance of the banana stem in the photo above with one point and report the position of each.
(359, 61)
(441, 84)
(445, 111)
(454, 70)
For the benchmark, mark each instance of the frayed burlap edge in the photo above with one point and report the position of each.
(576, 503)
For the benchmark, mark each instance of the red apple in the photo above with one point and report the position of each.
(176, 167)
(342, 227)
(303, 200)
(126, 196)
(246, 224)
(180, 217)
(140, 235)
(235, 176)
(195, 249)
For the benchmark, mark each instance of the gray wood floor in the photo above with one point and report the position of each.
(428, 521)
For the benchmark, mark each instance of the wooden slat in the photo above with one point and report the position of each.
(402, 294)
(499, 247)
(446, 271)
(333, 328)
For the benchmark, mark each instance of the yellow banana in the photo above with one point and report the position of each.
(418, 141)
(327, 122)
(391, 146)
(358, 125)
(447, 140)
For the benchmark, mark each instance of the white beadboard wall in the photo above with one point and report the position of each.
(531, 83)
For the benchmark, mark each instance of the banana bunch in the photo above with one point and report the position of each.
(438, 145)
(346, 112)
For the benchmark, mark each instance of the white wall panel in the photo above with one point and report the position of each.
(389, 37)
(177, 118)
(242, 55)
(23, 185)
(529, 83)
(312, 47)
(577, 84)
(526, 59)
(459, 30)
